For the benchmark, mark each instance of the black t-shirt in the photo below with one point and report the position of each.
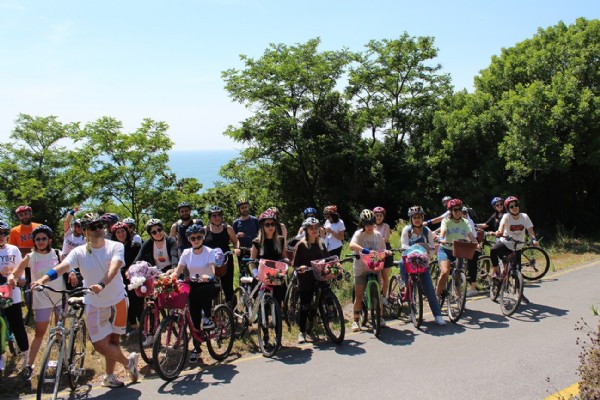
(493, 222)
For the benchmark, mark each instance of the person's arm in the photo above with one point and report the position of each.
(173, 232)
(17, 273)
(67, 223)
(532, 235)
(354, 246)
(234, 240)
(500, 230)
(57, 271)
(179, 270)
(404, 239)
(252, 265)
(435, 220)
(173, 253)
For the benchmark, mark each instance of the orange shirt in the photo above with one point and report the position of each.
(20, 236)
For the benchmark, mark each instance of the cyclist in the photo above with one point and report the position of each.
(199, 260)
(493, 223)
(130, 222)
(416, 233)
(100, 261)
(472, 263)
(311, 247)
(245, 226)
(281, 228)
(454, 227)
(120, 233)
(109, 219)
(334, 230)
(20, 235)
(439, 219)
(160, 250)
(40, 261)
(219, 235)
(384, 229)
(179, 228)
(513, 224)
(365, 239)
(309, 212)
(10, 257)
(73, 236)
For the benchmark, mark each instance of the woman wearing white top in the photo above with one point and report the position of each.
(334, 231)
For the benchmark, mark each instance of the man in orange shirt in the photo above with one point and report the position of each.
(20, 235)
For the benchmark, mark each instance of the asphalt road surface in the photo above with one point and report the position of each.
(485, 356)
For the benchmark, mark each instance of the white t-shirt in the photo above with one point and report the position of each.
(71, 241)
(373, 241)
(515, 228)
(10, 257)
(161, 256)
(40, 264)
(93, 268)
(332, 242)
(198, 264)
(137, 239)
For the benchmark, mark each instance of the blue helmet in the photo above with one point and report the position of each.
(309, 210)
(495, 200)
(193, 228)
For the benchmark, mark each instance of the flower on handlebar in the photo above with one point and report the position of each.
(277, 277)
(166, 285)
(373, 259)
(138, 273)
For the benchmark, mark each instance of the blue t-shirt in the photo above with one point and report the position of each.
(250, 228)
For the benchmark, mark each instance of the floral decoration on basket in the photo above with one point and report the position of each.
(327, 268)
(271, 272)
(170, 292)
(374, 260)
(5, 296)
(141, 277)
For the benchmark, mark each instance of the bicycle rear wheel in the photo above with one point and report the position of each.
(375, 310)
(220, 338)
(148, 327)
(457, 294)
(434, 271)
(416, 304)
(333, 317)
(51, 370)
(291, 303)
(77, 354)
(240, 314)
(170, 347)
(535, 263)
(511, 293)
(484, 266)
(395, 297)
(269, 326)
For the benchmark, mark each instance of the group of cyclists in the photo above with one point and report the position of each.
(98, 249)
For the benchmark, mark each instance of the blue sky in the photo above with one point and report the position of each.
(80, 60)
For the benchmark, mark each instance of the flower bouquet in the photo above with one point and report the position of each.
(170, 292)
(141, 277)
(374, 260)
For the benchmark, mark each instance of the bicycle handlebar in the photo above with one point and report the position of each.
(68, 292)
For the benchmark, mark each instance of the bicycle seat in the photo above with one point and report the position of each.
(75, 302)
(246, 280)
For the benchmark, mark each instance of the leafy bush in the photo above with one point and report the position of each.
(589, 368)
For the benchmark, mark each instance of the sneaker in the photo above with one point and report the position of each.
(207, 323)
(472, 293)
(132, 367)
(440, 321)
(355, 327)
(382, 323)
(149, 341)
(194, 355)
(112, 381)
(301, 338)
(26, 372)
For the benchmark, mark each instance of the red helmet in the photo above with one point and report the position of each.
(118, 225)
(22, 209)
(267, 215)
(510, 199)
(454, 203)
(332, 209)
(379, 210)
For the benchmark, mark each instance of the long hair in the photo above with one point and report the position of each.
(277, 240)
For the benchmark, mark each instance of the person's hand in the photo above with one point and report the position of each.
(328, 230)
(255, 273)
(535, 242)
(73, 279)
(35, 284)
(388, 253)
(11, 281)
(96, 288)
(241, 234)
(237, 252)
(365, 251)
(498, 233)
(302, 269)
(205, 278)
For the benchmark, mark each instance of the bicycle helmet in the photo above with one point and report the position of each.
(509, 200)
(110, 218)
(214, 210)
(268, 214)
(118, 225)
(77, 222)
(4, 227)
(309, 210)
(275, 211)
(129, 221)
(310, 221)
(446, 199)
(495, 200)
(379, 210)
(367, 217)
(22, 209)
(193, 228)
(415, 210)
(153, 222)
(184, 204)
(332, 209)
(241, 201)
(454, 203)
(89, 219)
(42, 229)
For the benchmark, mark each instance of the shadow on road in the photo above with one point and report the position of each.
(348, 347)
(293, 355)
(536, 312)
(430, 328)
(476, 319)
(397, 337)
(194, 383)
(129, 392)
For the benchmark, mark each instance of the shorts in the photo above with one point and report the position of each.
(103, 321)
(389, 260)
(44, 314)
(362, 279)
(445, 255)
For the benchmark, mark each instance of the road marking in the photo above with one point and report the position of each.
(567, 393)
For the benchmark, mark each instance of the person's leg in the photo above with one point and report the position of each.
(14, 317)
(472, 271)
(429, 292)
(305, 300)
(42, 320)
(227, 280)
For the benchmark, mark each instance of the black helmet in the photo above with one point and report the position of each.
(184, 204)
(42, 229)
(89, 219)
(193, 228)
(153, 222)
(214, 210)
(110, 218)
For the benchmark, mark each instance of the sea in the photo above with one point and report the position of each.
(203, 165)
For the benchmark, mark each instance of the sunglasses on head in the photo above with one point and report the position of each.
(157, 230)
(269, 224)
(95, 227)
(195, 238)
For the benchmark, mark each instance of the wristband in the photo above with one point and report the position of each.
(533, 239)
(52, 274)
(72, 212)
(210, 278)
(102, 284)
(427, 222)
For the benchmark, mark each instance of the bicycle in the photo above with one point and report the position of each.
(510, 285)
(535, 262)
(392, 307)
(149, 321)
(456, 287)
(170, 348)
(7, 339)
(66, 346)
(415, 265)
(371, 304)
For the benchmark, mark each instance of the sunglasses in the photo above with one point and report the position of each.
(95, 227)
(157, 230)
(513, 206)
(498, 204)
(41, 239)
(216, 216)
(5, 233)
(195, 238)
(457, 209)
(269, 224)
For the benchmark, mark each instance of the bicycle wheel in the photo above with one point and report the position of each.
(484, 266)
(269, 326)
(51, 370)
(434, 271)
(395, 296)
(240, 313)
(495, 285)
(170, 347)
(375, 310)
(291, 303)
(416, 304)
(77, 354)
(332, 317)
(457, 294)
(147, 330)
(26, 306)
(535, 263)
(511, 293)
(220, 338)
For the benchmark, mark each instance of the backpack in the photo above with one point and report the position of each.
(426, 232)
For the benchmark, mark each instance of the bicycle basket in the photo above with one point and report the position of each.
(415, 263)
(464, 250)
(149, 291)
(5, 291)
(327, 269)
(271, 272)
(373, 261)
(175, 299)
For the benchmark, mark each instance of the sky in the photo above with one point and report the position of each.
(128, 59)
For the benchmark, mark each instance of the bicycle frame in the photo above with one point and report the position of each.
(372, 279)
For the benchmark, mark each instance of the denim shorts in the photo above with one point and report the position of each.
(445, 255)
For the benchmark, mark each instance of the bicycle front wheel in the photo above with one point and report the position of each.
(240, 314)
(511, 293)
(51, 370)
(333, 317)
(269, 326)
(395, 296)
(148, 326)
(220, 338)
(535, 263)
(416, 304)
(170, 347)
(291, 303)
(375, 310)
(434, 271)
(484, 266)
(457, 295)
(77, 354)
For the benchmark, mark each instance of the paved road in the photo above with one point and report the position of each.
(484, 356)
